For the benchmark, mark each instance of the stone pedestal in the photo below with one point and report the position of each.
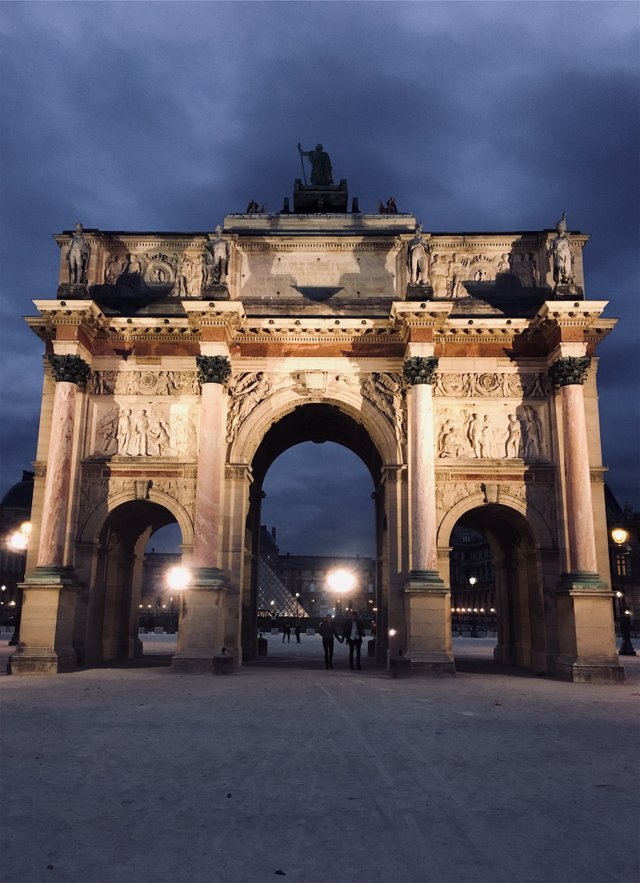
(202, 622)
(585, 632)
(428, 605)
(419, 292)
(215, 292)
(46, 632)
(320, 198)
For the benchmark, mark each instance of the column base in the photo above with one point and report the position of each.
(424, 581)
(202, 625)
(586, 636)
(582, 580)
(586, 669)
(428, 613)
(30, 661)
(427, 665)
(45, 644)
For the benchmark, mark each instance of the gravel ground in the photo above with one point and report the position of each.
(285, 769)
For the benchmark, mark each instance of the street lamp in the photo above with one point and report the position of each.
(620, 536)
(19, 541)
(178, 579)
(474, 630)
(340, 581)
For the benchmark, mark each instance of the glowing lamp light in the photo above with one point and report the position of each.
(341, 580)
(393, 633)
(473, 580)
(178, 578)
(19, 539)
(619, 535)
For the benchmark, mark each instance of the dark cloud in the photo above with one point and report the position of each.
(483, 116)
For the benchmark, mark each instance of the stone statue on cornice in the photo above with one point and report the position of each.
(321, 171)
(78, 257)
(418, 259)
(560, 249)
(216, 259)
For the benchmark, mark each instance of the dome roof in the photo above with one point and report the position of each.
(19, 496)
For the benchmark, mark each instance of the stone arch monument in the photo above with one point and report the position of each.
(468, 389)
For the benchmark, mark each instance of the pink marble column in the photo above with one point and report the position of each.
(582, 540)
(569, 373)
(206, 545)
(419, 372)
(69, 371)
(423, 481)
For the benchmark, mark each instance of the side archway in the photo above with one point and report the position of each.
(107, 613)
(514, 548)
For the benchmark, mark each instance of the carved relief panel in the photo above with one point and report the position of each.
(469, 426)
(150, 428)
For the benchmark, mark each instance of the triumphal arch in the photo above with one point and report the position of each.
(460, 367)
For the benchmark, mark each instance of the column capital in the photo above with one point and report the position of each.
(69, 369)
(213, 369)
(569, 370)
(420, 369)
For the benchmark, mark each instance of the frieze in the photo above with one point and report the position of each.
(238, 473)
(488, 385)
(162, 383)
(173, 273)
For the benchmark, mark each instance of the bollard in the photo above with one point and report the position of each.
(222, 663)
(400, 666)
(263, 647)
(371, 647)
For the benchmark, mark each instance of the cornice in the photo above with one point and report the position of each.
(584, 315)
(75, 313)
(315, 330)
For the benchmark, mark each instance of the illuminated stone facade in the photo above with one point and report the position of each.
(460, 367)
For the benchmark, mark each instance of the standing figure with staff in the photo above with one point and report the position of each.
(321, 172)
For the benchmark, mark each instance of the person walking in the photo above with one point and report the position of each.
(297, 632)
(328, 633)
(354, 633)
(286, 632)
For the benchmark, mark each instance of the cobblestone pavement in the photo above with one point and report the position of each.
(285, 769)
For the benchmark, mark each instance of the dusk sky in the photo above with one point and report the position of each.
(474, 116)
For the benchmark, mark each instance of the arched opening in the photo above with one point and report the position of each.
(129, 594)
(319, 502)
(496, 590)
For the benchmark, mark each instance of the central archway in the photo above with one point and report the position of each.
(318, 423)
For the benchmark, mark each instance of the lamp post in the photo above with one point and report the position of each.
(474, 629)
(620, 536)
(178, 579)
(19, 542)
